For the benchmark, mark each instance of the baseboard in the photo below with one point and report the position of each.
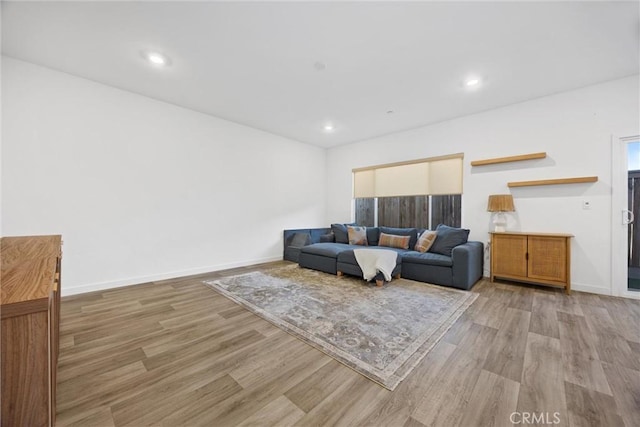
(163, 276)
(590, 289)
(574, 287)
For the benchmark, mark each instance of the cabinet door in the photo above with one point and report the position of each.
(548, 258)
(508, 255)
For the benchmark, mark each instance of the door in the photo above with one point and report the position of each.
(508, 255)
(625, 157)
(633, 234)
(633, 207)
(548, 258)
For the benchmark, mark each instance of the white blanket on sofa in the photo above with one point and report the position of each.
(372, 261)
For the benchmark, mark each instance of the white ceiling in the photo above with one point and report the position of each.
(253, 63)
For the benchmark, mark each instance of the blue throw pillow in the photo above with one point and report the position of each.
(413, 232)
(327, 238)
(448, 238)
(373, 234)
(340, 232)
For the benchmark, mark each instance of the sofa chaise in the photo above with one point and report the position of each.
(451, 260)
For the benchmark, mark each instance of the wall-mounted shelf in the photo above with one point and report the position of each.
(519, 158)
(578, 180)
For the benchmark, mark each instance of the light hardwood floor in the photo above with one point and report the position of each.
(178, 353)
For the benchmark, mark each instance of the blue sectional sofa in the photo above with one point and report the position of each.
(328, 250)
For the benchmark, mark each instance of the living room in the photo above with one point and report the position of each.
(151, 174)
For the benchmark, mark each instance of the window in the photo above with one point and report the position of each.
(409, 211)
(446, 209)
(421, 193)
(365, 212)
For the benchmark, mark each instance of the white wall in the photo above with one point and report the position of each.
(141, 189)
(574, 128)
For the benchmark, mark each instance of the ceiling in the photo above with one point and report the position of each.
(257, 63)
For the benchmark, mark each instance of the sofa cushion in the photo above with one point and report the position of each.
(448, 238)
(425, 241)
(427, 258)
(394, 241)
(357, 235)
(340, 231)
(413, 232)
(373, 234)
(348, 257)
(327, 249)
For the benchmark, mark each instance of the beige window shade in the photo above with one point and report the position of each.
(441, 175)
(445, 176)
(364, 183)
(405, 180)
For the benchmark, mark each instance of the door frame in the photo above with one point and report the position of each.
(619, 202)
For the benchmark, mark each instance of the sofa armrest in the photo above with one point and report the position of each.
(468, 260)
(306, 236)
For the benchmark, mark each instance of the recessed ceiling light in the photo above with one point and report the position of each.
(329, 127)
(472, 82)
(156, 58)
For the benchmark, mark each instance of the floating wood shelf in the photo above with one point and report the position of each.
(509, 159)
(578, 180)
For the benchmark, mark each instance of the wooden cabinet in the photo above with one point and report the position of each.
(532, 257)
(30, 325)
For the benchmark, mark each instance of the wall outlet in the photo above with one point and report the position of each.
(586, 204)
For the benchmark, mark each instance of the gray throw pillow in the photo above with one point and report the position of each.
(300, 239)
(448, 238)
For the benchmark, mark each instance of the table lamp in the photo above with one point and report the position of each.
(500, 203)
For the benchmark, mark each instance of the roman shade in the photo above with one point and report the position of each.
(432, 176)
(364, 184)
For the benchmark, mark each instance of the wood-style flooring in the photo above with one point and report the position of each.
(177, 353)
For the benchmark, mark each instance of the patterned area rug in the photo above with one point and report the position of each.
(380, 332)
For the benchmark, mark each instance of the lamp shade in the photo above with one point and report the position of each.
(500, 203)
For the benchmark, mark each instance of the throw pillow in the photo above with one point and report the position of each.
(327, 238)
(394, 241)
(340, 232)
(412, 232)
(357, 235)
(300, 239)
(425, 241)
(448, 238)
(373, 234)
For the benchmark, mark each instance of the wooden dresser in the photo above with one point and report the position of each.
(30, 307)
(541, 258)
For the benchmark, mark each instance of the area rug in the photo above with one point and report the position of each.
(380, 332)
